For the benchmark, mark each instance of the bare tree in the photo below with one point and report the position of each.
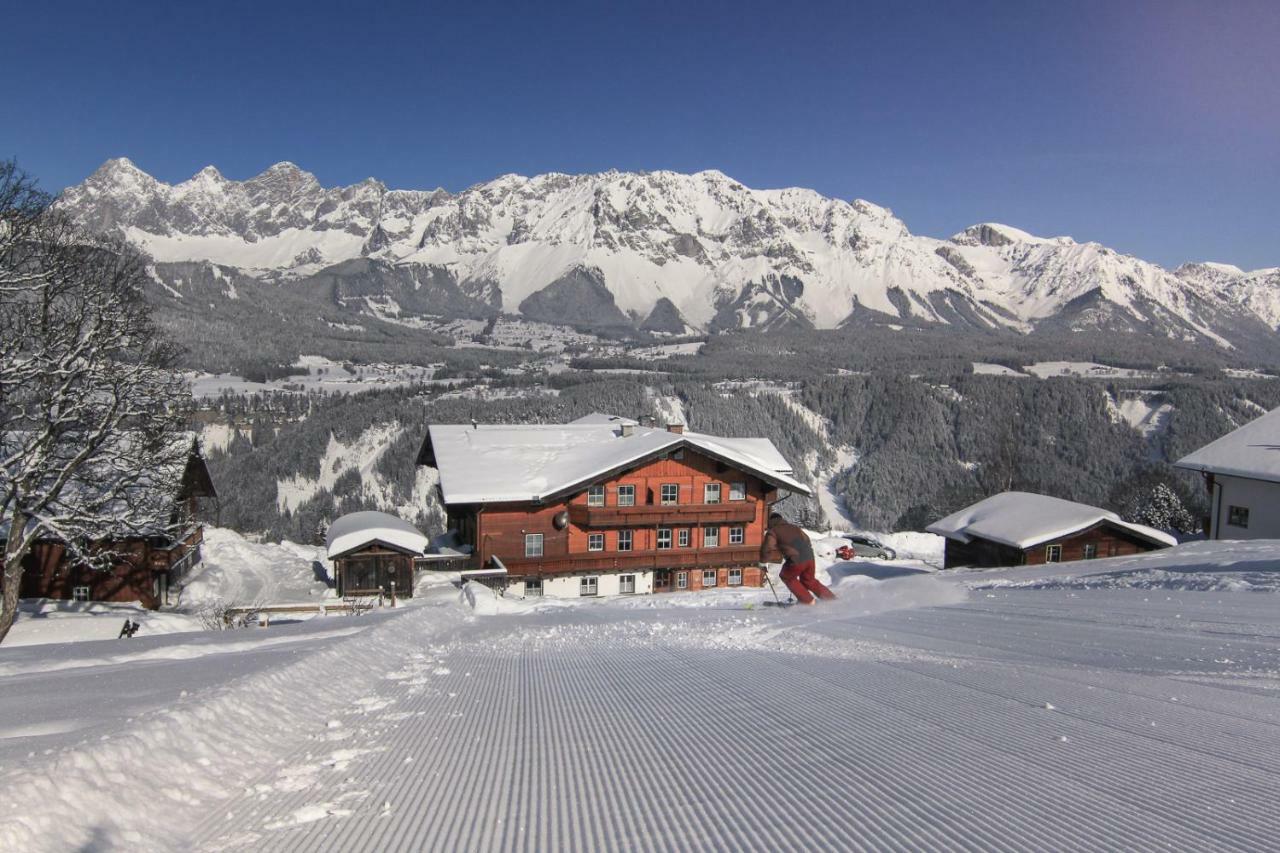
(90, 411)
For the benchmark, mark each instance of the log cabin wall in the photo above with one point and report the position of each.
(1107, 541)
(374, 568)
(48, 573)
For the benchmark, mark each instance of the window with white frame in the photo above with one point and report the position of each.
(626, 495)
(711, 537)
(682, 580)
(595, 541)
(80, 593)
(1053, 554)
(624, 540)
(737, 535)
(735, 577)
(682, 538)
(627, 584)
(533, 544)
(670, 493)
(595, 496)
(708, 578)
(588, 586)
(711, 493)
(664, 538)
(1238, 516)
(737, 491)
(533, 587)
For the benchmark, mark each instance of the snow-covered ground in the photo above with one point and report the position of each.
(233, 572)
(317, 374)
(1088, 369)
(919, 711)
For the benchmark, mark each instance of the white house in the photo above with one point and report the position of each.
(1242, 472)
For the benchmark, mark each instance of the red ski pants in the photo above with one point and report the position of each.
(800, 579)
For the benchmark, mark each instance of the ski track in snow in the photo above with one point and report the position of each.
(1020, 721)
(914, 713)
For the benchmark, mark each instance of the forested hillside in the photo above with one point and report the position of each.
(923, 446)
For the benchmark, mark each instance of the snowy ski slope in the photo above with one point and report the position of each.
(918, 712)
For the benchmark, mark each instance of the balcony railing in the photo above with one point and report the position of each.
(673, 515)
(596, 561)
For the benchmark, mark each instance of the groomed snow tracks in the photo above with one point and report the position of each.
(1021, 722)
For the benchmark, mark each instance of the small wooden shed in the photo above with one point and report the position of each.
(371, 551)
(1025, 529)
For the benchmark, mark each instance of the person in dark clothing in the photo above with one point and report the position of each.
(798, 567)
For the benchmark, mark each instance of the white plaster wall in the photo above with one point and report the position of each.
(1263, 502)
(568, 586)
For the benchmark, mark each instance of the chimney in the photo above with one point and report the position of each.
(627, 430)
(678, 429)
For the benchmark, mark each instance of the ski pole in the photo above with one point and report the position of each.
(765, 568)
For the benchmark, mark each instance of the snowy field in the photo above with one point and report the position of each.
(315, 374)
(1030, 709)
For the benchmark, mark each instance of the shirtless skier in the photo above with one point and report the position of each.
(798, 569)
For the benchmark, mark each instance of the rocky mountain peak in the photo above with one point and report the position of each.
(698, 250)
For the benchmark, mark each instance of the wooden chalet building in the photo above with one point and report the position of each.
(373, 553)
(150, 558)
(1025, 529)
(603, 506)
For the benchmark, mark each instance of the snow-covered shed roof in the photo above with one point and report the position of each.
(358, 529)
(1025, 519)
(1251, 451)
(602, 418)
(530, 462)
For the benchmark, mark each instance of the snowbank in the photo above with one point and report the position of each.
(43, 620)
(237, 571)
(1242, 566)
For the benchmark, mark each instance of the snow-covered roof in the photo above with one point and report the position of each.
(1024, 520)
(114, 493)
(602, 418)
(357, 529)
(505, 463)
(1251, 451)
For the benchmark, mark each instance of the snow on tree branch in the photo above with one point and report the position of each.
(91, 413)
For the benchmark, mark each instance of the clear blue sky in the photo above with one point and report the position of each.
(1153, 127)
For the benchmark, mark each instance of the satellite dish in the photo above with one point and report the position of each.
(561, 520)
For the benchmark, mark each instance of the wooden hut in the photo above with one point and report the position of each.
(373, 553)
(1025, 529)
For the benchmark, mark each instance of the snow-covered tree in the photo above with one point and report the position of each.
(90, 412)
(1158, 506)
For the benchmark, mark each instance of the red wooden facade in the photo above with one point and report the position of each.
(680, 528)
(144, 567)
(1101, 540)
(142, 572)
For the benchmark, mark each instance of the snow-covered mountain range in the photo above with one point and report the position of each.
(664, 251)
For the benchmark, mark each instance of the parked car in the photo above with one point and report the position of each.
(865, 546)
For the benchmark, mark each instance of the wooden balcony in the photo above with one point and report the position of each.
(615, 561)
(664, 515)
